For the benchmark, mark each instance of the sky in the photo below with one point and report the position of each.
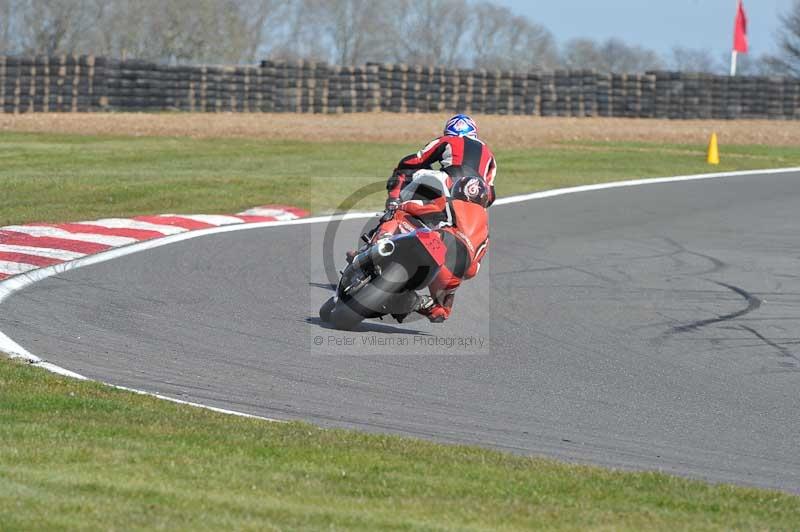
(658, 24)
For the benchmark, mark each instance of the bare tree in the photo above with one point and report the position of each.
(353, 29)
(434, 32)
(190, 31)
(612, 55)
(529, 45)
(429, 32)
(621, 57)
(7, 8)
(789, 40)
(583, 54)
(186, 31)
(695, 60)
(51, 26)
(261, 18)
(298, 33)
(502, 40)
(771, 65)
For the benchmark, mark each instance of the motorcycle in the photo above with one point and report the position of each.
(383, 279)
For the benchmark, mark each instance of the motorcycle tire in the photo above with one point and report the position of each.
(369, 302)
(326, 309)
(345, 318)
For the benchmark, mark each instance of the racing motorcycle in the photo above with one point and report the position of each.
(383, 279)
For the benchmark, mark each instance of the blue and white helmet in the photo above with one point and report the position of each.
(461, 126)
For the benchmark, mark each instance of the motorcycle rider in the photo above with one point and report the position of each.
(468, 168)
(459, 152)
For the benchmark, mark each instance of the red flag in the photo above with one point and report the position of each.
(740, 31)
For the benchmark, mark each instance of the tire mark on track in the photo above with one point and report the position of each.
(716, 264)
(784, 352)
(753, 303)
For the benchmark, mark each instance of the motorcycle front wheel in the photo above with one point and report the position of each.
(344, 318)
(371, 301)
(326, 309)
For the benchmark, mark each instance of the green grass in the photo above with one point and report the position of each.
(62, 178)
(81, 455)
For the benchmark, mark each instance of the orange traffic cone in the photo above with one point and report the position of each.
(713, 150)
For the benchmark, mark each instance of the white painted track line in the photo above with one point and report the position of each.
(635, 183)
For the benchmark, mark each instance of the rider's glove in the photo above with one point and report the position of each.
(391, 207)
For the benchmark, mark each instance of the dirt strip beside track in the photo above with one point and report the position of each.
(508, 131)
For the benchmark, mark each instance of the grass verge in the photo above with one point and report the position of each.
(56, 178)
(81, 455)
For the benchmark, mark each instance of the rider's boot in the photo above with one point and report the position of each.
(433, 310)
(423, 303)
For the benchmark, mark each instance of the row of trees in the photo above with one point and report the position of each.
(456, 33)
(789, 39)
(171, 30)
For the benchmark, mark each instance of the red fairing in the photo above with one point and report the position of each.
(433, 243)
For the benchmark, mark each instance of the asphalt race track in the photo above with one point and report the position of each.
(653, 327)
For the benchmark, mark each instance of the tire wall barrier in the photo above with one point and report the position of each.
(41, 84)
(86, 83)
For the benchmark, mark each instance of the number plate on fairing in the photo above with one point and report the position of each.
(433, 244)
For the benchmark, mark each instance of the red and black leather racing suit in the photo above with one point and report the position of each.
(458, 156)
